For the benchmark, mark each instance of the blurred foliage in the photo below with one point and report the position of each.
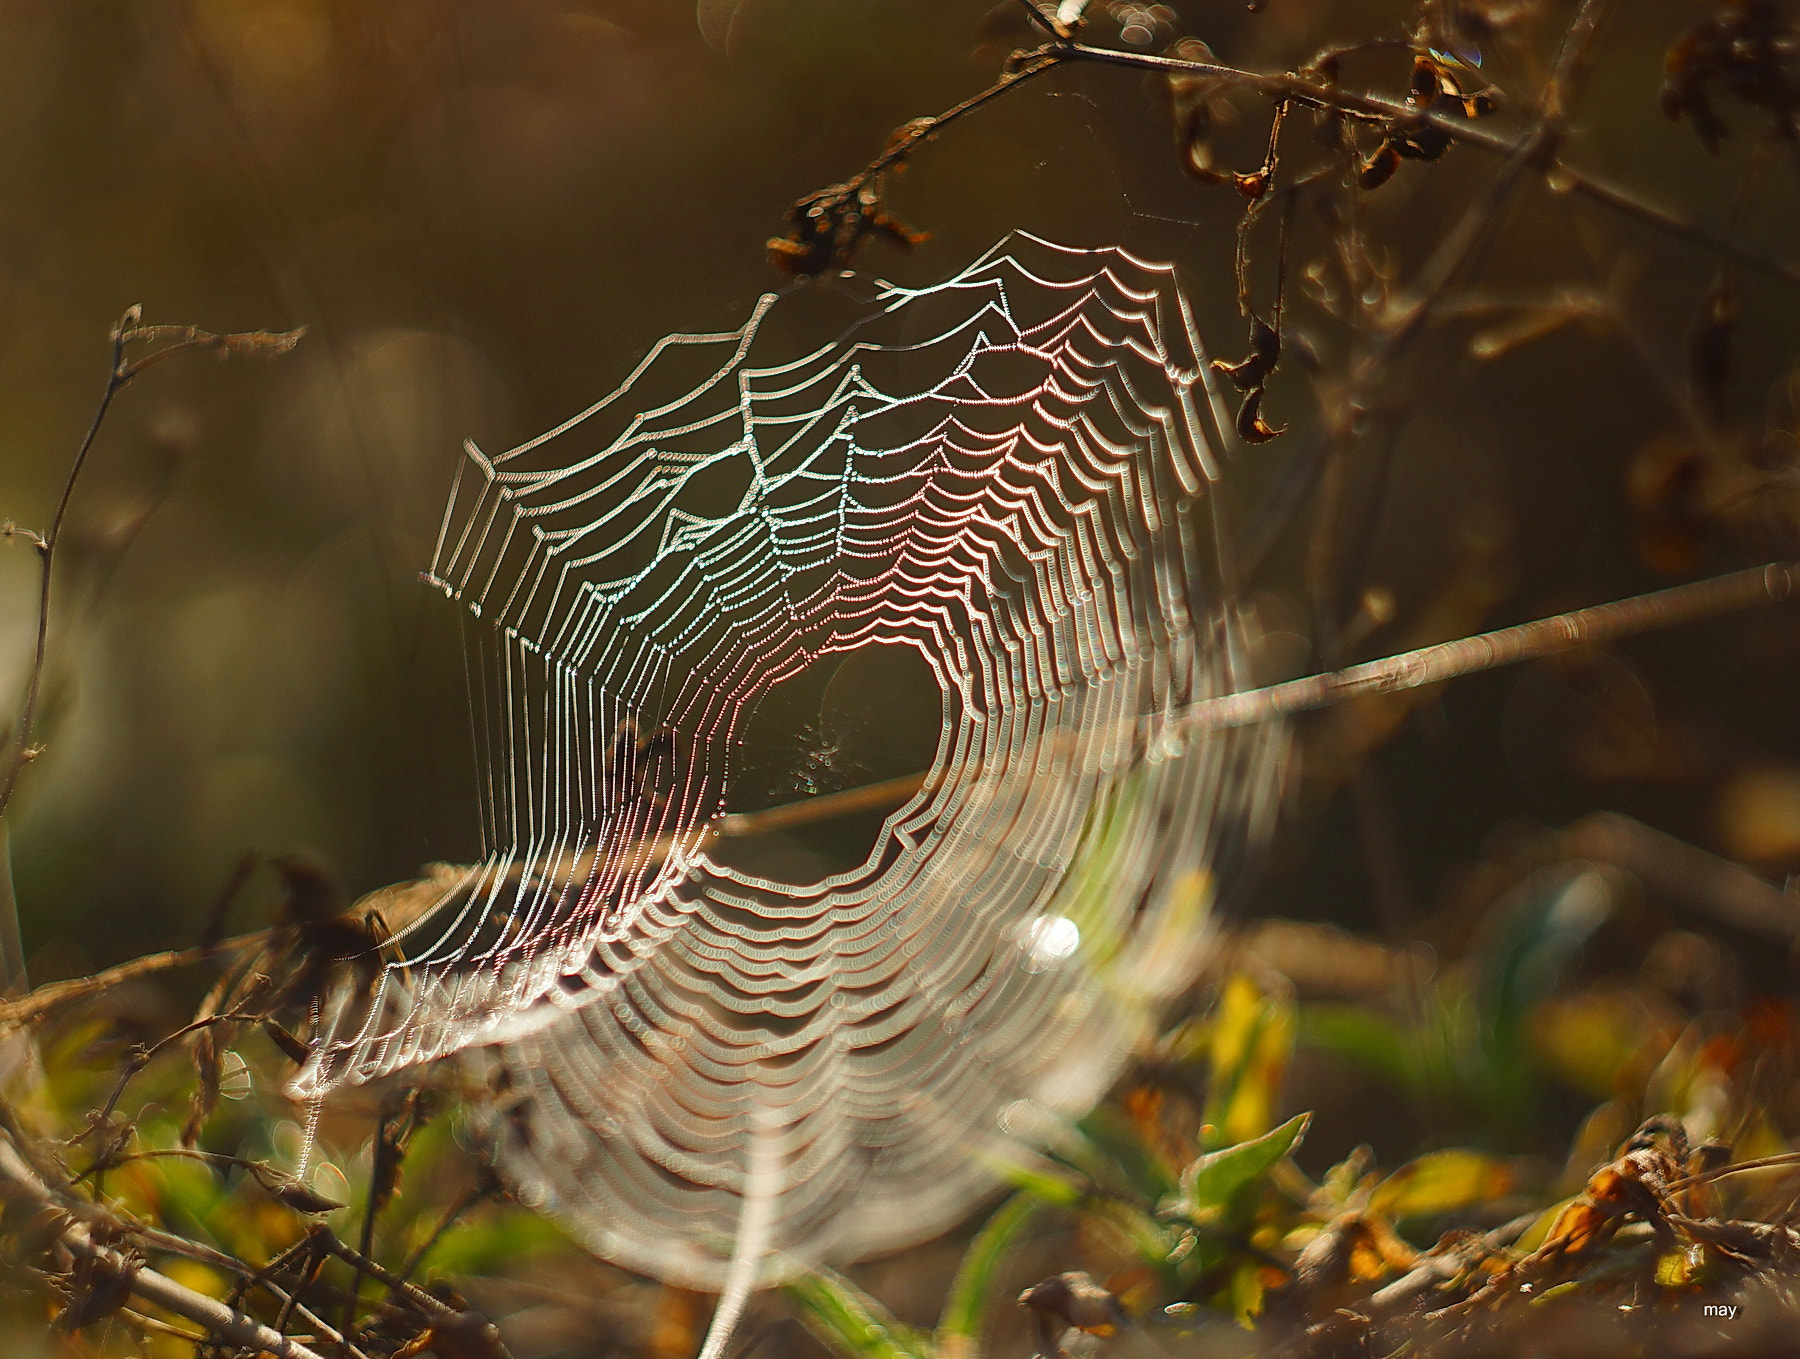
(1181, 1213)
(483, 211)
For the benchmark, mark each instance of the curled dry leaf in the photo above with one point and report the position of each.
(1437, 88)
(825, 228)
(290, 1190)
(1250, 376)
(98, 1287)
(1071, 1301)
(1751, 49)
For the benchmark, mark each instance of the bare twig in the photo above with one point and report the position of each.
(249, 1280)
(141, 1057)
(12, 948)
(1475, 232)
(1603, 623)
(469, 1198)
(227, 1324)
(1787, 1160)
(1366, 108)
(1340, 552)
(1544, 637)
(53, 996)
(1375, 109)
(869, 797)
(130, 330)
(411, 1294)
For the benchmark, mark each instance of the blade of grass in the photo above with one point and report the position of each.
(959, 1329)
(849, 1320)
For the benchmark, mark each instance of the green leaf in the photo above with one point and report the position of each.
(1213, 1181)
(959, 1329)
(1155, 1243)
(1441, 1182)
(1136, 1166)
(1043, 1185)
(851, 1322)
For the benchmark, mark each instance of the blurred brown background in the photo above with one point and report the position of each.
(485, 211)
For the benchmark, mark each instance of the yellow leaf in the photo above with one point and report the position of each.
(1679, 1268)
(1251, 1043)
(1441, 1182)
(1538, 1232)
(1246, 1292)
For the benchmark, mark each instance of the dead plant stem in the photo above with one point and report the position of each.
(129, 331)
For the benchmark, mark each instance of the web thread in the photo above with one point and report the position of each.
(1009, 473)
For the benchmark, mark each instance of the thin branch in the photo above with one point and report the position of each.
(1042, 21)
(1527, 641)
(1409, 670)
(1786, 1160)
(13, 978)
(248, 1280)
(1687, 876)
(227, 1324)
(1375, 109)
(141, 1057)
(867, 798)
(466, 1200)
(138, 1321)
(55, 995)
(413, 1296)
(1551, 636)
(1367, 108)
(1338, 550)
(129, 331)
(907, 138)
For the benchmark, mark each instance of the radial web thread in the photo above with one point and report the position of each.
(1008, 473)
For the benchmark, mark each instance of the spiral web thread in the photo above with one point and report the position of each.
(1006, 472)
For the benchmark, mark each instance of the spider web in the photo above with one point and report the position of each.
(1006, 473)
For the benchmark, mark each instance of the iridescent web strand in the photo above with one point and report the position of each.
(1007, 473)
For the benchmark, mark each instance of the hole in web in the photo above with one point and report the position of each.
(848, 720)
